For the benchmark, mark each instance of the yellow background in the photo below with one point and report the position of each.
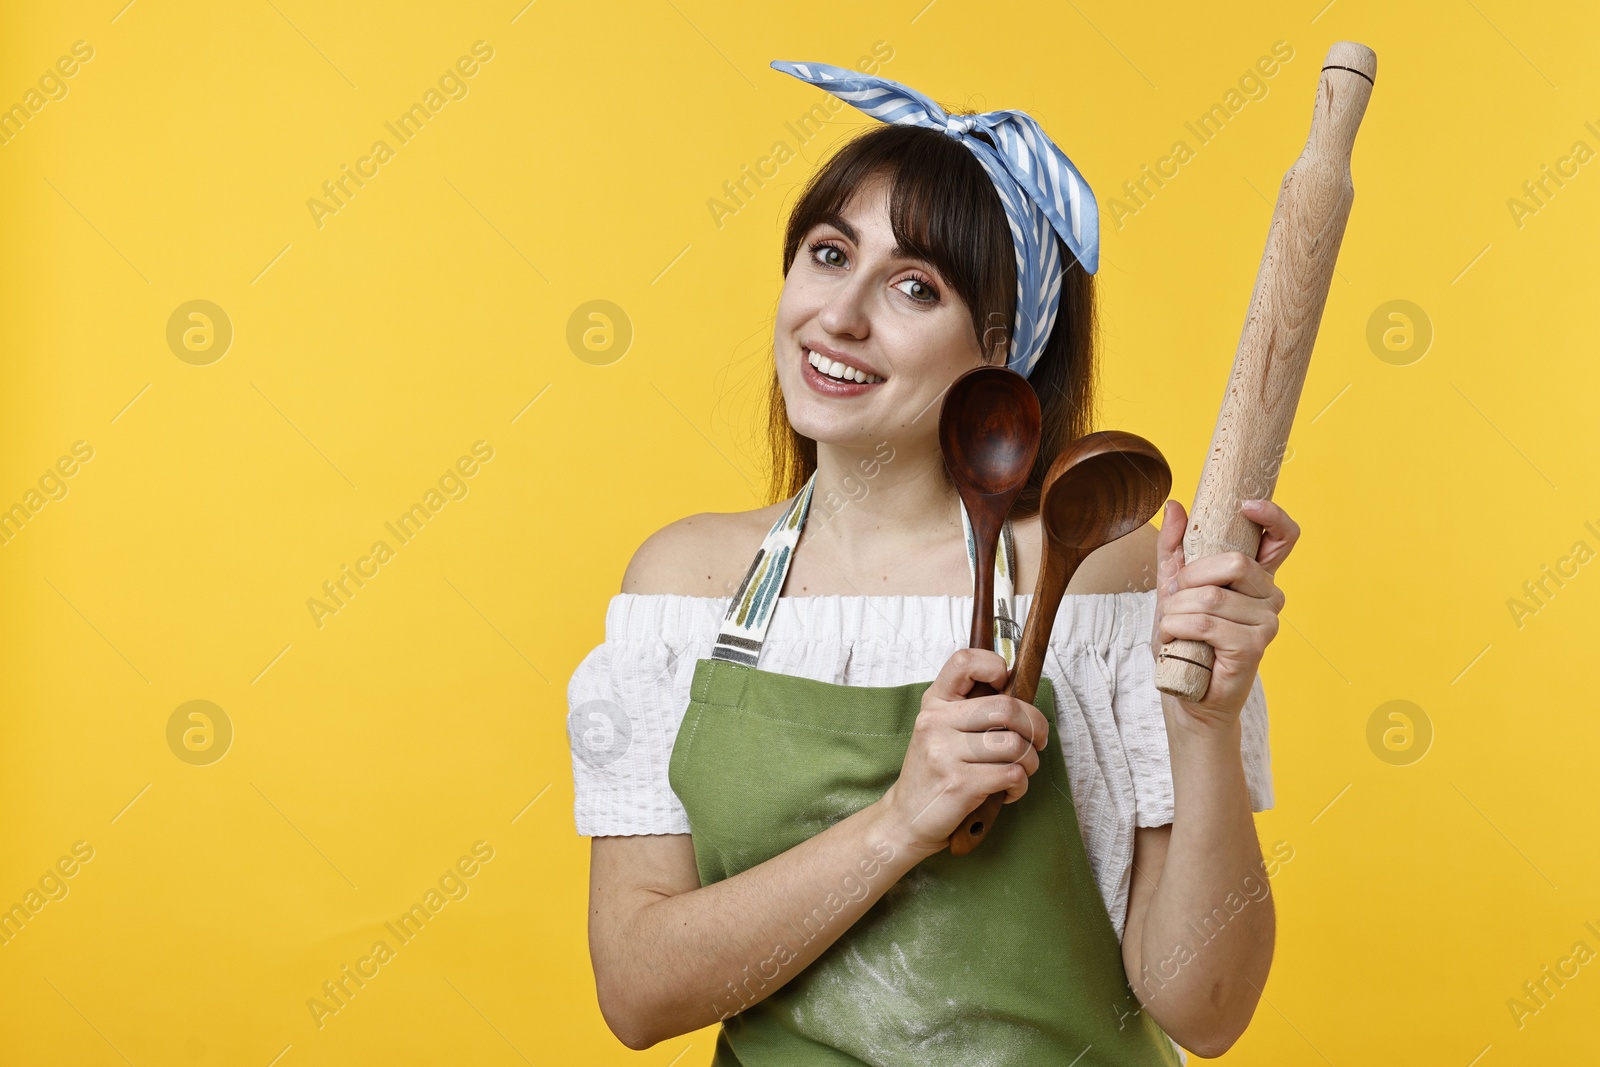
(370, 753)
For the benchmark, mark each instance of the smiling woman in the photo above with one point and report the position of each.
(771, 817)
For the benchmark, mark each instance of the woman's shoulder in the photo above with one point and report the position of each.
(704, 555)
(1126, 565)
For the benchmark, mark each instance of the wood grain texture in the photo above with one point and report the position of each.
(1280, 330)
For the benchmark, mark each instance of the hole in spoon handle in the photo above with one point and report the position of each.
(976, 826)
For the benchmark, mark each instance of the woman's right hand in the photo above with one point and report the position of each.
(962, 749)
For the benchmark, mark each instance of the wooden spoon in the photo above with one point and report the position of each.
(989, 433)
(1103, 486)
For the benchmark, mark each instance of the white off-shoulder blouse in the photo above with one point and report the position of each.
(634, 689)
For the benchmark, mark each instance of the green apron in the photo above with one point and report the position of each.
(1005, 956)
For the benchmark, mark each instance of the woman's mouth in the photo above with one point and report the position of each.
(832, 377)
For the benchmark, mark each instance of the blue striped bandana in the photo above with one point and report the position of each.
(1042, 191)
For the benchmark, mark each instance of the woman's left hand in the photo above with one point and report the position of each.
(1227, 601)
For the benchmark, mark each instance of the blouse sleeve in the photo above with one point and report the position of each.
(1137, 705)
(625, 701)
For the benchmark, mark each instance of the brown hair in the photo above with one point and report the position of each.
(944, 208)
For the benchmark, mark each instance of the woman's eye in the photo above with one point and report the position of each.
(921, 292)
(823, 252)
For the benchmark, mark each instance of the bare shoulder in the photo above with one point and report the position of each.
(1126, 565)
(700, 555)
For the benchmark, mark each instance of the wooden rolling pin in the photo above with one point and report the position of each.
(1280, 329)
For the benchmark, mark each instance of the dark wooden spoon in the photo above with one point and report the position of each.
(1103, 486)
(989, 433)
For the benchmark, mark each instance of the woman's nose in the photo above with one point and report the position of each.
(847, 310)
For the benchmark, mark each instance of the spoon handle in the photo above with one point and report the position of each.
(987, 522)
(1056, 570)
(1022, 684)
(967, 836)
(987, 535)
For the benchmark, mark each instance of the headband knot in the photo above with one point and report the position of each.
(956, 125)
(1043, 194)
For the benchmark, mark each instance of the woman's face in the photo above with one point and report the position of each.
(853, 299)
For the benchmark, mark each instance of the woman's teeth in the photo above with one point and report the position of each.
(834, 369)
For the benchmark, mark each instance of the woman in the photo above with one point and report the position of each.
(768, 774)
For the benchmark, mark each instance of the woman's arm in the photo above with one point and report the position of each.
(671, 957)
(1201, 924)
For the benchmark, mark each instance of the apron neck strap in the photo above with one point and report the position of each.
(750, 611)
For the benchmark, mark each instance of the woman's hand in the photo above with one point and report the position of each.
(962, 749)
(1228, 601)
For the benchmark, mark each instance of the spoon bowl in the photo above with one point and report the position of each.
(1111, 483)
(989, 434)
(989, 430)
